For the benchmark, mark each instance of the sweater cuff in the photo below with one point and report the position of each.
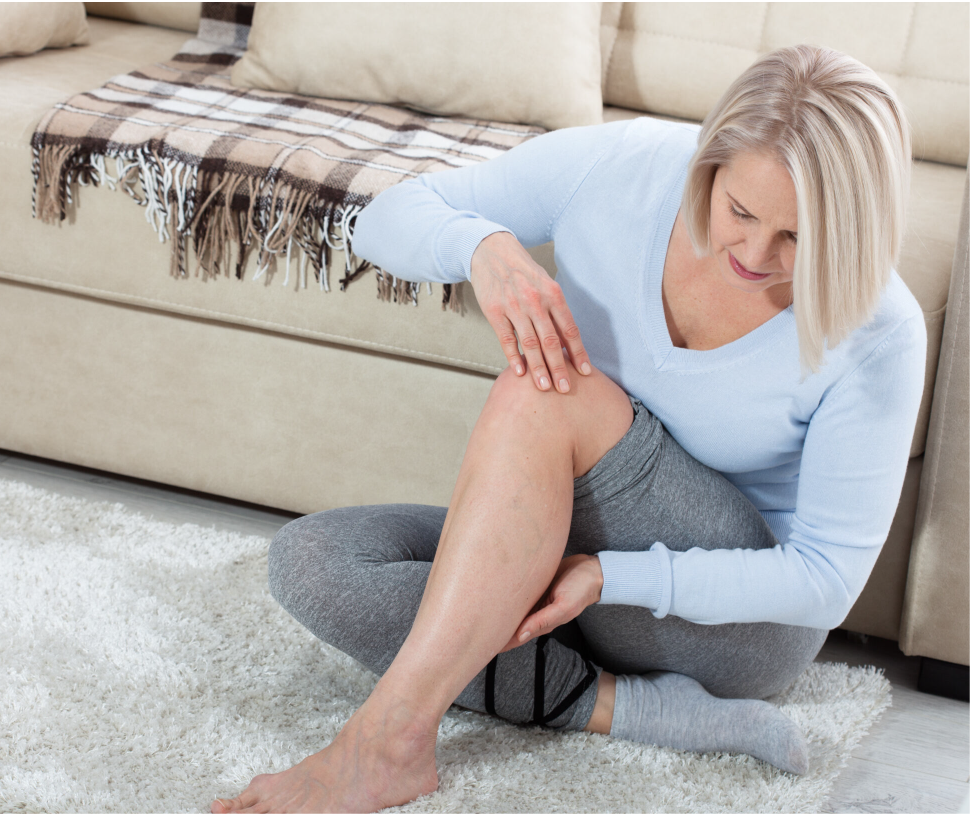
(641, 578)
(457, 241)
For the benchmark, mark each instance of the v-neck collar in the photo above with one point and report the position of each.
(653, 323)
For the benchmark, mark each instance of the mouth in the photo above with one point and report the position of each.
(742, 272)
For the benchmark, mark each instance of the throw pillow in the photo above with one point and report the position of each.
(529, 63)
(180, 16)
(29, 27)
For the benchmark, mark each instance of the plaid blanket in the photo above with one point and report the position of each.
(236, 171)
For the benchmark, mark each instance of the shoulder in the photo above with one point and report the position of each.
(644, 156)
(898, 318)
(655, 140)
(892, 342)
(638, 136)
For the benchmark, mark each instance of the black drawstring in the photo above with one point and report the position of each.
(490, 686)
(539, 718)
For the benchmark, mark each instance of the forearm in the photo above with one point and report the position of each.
(784, 585)
(409, 231)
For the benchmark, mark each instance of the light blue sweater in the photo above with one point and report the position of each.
(822, 457)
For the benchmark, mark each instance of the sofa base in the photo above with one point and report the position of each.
(944, 678)
(252, 415)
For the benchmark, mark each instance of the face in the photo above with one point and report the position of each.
(754, 224)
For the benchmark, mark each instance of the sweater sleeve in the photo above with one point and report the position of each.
(853, 463)
(427, 228)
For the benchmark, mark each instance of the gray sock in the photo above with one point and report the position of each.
(670, 709)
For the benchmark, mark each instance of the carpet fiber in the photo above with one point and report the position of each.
(145, 667)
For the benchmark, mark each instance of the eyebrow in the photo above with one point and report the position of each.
(747, 211)
(738, 204)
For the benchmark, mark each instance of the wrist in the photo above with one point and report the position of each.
(597, 578)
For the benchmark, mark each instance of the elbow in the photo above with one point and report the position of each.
(835, 608)
(834, 616)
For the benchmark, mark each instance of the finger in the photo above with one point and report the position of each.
(569, 333)
(532, 348)
(540, 622)
(553, 355)
(548, 344)
(510, 344)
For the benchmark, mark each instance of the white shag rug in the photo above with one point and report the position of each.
(145, 667)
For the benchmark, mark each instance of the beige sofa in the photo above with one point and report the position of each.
(305, 400)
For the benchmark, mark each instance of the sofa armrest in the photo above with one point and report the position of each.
(936, 609)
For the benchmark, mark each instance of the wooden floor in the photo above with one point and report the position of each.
(915, 759)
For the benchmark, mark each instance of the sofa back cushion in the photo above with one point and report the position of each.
(530, 63)
(181, 16)
(29, 27)
(676, 59)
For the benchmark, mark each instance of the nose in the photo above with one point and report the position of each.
(759, 251)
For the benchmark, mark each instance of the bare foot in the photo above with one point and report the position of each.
(372, 764)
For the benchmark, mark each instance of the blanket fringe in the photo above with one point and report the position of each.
(224, 216)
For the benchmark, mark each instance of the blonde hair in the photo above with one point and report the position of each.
(841, 133)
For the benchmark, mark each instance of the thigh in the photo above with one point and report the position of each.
(355, 577)
(731, 661)
(648, 489)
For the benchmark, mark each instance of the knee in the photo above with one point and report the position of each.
(516, 394)
(298, 549)
(785, 653)
(589, 419)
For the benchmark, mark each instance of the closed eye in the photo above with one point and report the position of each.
(739, 215)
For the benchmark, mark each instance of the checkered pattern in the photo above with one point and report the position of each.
(235, 170)
(226, 23)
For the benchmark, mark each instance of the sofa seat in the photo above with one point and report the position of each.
(94, 252)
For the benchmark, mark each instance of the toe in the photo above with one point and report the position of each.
(247, 800)
(243, 802)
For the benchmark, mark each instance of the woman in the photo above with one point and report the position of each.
(646, 565)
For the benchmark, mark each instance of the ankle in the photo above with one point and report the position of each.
(400, 729)
(601, 721)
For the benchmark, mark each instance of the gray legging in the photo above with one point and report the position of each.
(355, 578)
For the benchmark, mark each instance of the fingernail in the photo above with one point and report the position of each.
(564, 385)
(586, 369)
(518, 370)
(525, 635)
(223, 803)
(544, 383)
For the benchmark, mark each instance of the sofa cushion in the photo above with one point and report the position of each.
(529, 63)
(678, 58)
(182, 16)
(32, 85)
(29, 27)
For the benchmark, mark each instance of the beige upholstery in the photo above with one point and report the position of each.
(306, 400)
(678, 58)
(29, 86)
(291, 423)
(182, 16)
(29, 27)
(458, 59)
(936, 619)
